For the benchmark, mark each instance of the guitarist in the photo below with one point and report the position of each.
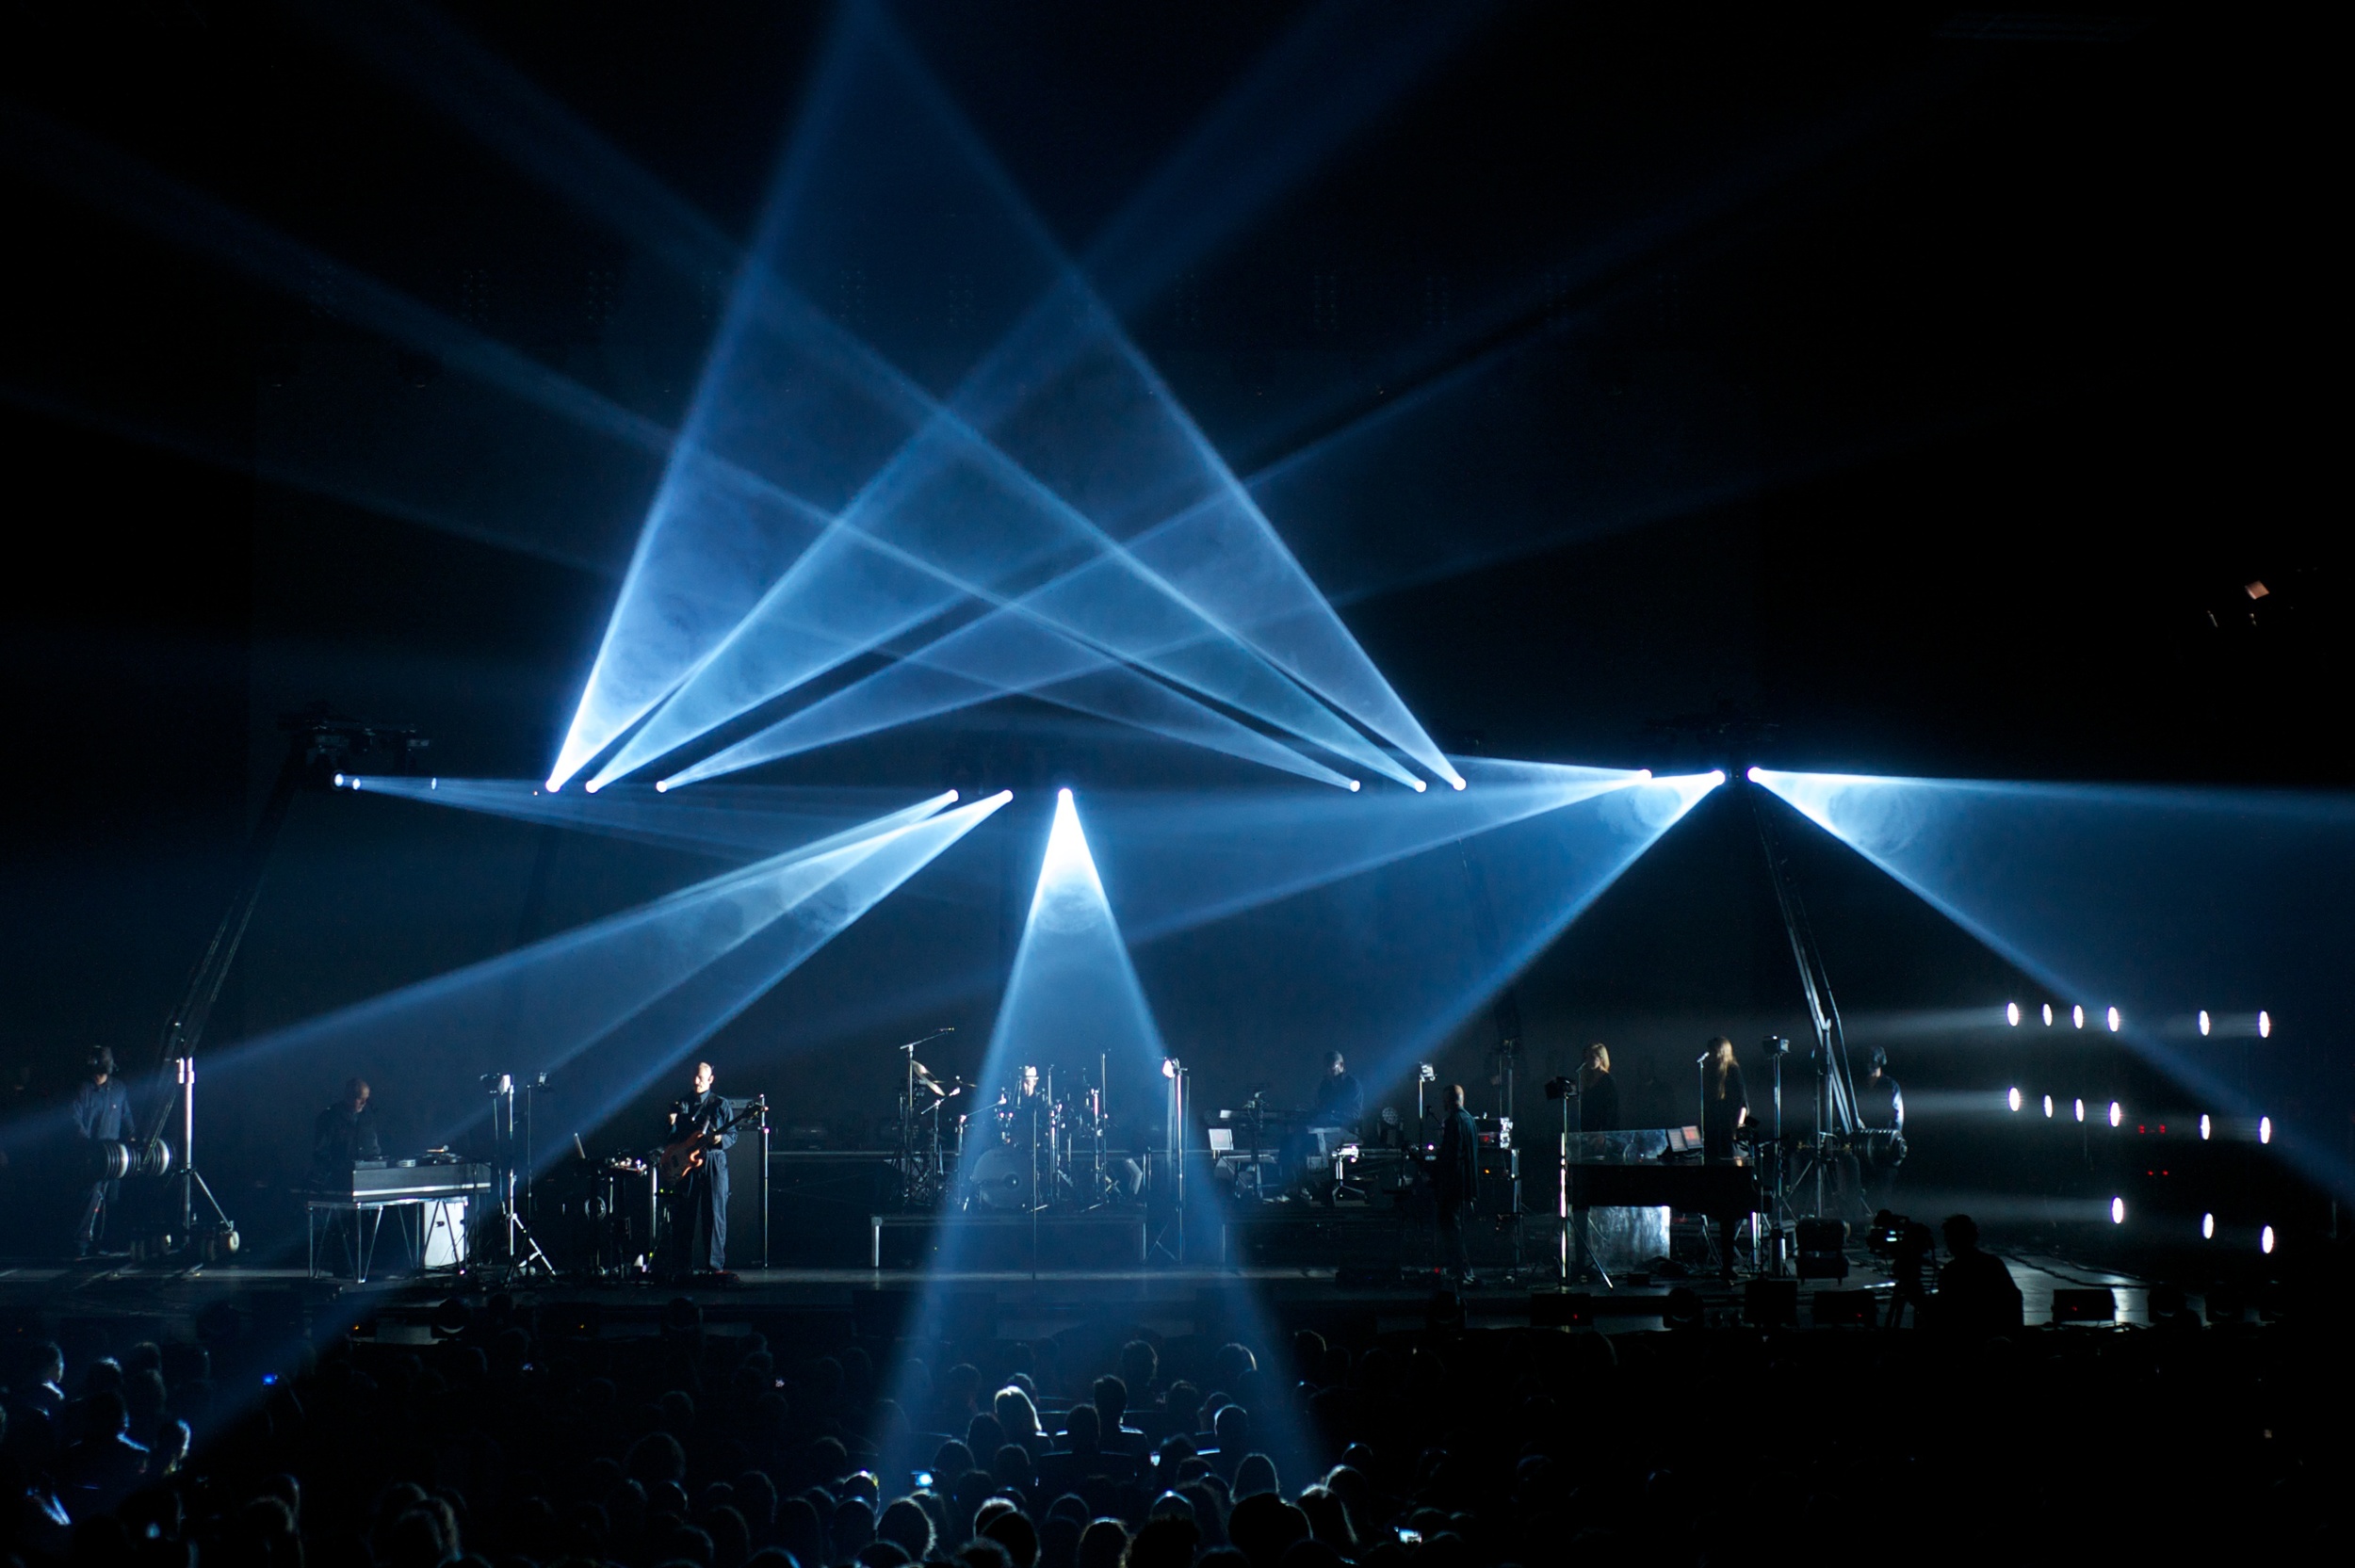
(698, 1205)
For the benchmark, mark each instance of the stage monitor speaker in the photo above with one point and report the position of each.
(1497, 1197)
(1845, 1309)
(1561, 1309)
(2083, 1304)
(1771, 1304)
(1823, 1249)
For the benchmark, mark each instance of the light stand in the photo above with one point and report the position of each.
(1777, 1186)
(762, 1101)
(220, 1239)
(523, 1249)
(1173, 1152)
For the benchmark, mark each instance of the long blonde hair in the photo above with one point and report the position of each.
(1598, 1062)
(1721, 1066)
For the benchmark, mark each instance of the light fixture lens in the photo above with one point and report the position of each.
(2118, 1113)
(2113, 1020)
(2048, 1107)
(2118, 1211)
(2203, 1022)
(2265, 1240)
(2077, 1016)
(2265, 1025)
(2081, 1110)
(2048, 1015)
(1457, 782)
(2207, 1227)
(2207, 1128)
(2011, 1013)
(339, 781)
(1751, 773)
(2014, 1098)
(2265, 1129)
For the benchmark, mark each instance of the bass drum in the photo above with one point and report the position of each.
(999, 1182)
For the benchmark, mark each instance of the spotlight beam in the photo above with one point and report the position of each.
(727, 822)
(639, 1049)
(543, 1004)
(1318, 649)
(1015, 649)
(2140, 892)
(826, 609)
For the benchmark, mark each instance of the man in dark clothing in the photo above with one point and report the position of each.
(699, 1206)
(1977, 1298)
(1340, 1102)
(345, 1134)
(1454, 1176)
(102, 1114)
(1882, 1111)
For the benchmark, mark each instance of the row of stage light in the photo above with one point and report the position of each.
(2211, 1126)
(2259, 1023)
(2260, 1129)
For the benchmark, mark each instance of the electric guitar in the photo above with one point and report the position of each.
(682, 1157)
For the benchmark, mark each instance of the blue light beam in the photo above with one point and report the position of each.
(543, 1004)
(2155, 899)
(1060, 442)
(733, 822)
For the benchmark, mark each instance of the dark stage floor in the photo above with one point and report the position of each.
(143, 1301)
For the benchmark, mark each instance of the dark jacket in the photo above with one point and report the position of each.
(1457, 1170)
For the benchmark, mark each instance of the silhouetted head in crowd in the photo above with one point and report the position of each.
(1103, 1543)
(1084, 1430)
(1110, 1394)
(1232, 1426)
(1140, 1368)
(1962, 1234)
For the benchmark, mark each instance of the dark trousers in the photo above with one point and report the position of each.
(1453, 1258)
(94, 1223)
(699, 1219)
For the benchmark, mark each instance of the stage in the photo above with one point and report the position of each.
(826, 1307)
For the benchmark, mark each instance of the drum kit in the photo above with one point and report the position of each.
(1025, 1149)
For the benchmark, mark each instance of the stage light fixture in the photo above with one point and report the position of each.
(1421, 787)
(2077, 1016)
(2114, 1020)
(2265, 1129)
(1716, 777)
(2207, 1128)
(2118, 1211)
(2265, 1241)
(2048, 1015)
(2203, 1022)
(2265, 1025)
(2011, 1013)
(1457, 782)
(2081, 1110)
(1752, 773)
(1354, 786)
(2015, 1099)
(2048, 1107)
(2118, 1113)
(2207, 1227)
